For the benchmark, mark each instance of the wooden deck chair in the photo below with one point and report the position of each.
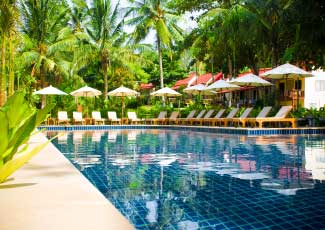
(133, 119)
(241, 119)
(97, 118)
(208, 115)
(112, 118)
(181, 120)
(224, 121)
(161, 116)
(217, 116)
(63, 117)
(280, 117)
(262, 114)
(173, 117)
(77, 118)
(190, 121)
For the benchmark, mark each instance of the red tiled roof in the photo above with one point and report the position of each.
(184, 81)
(261, 71)
(203, 79)
(146, 86)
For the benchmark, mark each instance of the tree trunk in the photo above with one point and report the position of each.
(11, 81)
(3, 78)
(230, 70)
(274, 49)
(105, 80)
(161, 68)
(105, 65)
(42, 79)
(160, 63)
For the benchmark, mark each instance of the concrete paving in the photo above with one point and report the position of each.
(50, 193)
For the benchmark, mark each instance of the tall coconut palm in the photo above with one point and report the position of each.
(8, 20)
(42, 21)
(104, 27)
(153, 15)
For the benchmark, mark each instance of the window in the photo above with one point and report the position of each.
(298, 84)
(320, 85)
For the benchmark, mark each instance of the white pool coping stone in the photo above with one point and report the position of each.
(50, 193)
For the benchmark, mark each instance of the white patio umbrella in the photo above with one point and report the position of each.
(165, 92)
(287, 71)
(50, 90)
(123, 92)
(222, 85)
(250, 80)
(198, 89)
(86, 91)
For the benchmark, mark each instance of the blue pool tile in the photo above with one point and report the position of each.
(168, 178)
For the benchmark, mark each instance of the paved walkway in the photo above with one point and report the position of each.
(49, 193)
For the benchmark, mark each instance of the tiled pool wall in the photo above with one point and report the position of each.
(222, 130)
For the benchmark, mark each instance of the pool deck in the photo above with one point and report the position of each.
(50, 193)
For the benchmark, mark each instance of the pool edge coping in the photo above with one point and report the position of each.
(221, 130)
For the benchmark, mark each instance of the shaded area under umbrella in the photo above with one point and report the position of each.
(123, 92)
(50, 90)
(287, 71)
(165, 92)
(251, 80)
(86, 91)
(222, 85)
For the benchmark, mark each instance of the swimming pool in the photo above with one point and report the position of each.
(170, 179)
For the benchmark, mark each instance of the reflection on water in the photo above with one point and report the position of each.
(190, 180)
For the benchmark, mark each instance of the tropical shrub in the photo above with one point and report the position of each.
(18, 120)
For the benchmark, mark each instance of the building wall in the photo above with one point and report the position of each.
(315, 91)
(289, 85)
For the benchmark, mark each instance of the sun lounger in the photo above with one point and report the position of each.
(77, 118)
(97, 118)
(241, 119)
(224, 121)
(161, 117)
(262, 114)
(133, 119)
(112, 118)
(200, 121)
(280, 117)
(190, 121)
(181, 120)
(217, 116)
(173, 117)
(63, 117)
(164, 121)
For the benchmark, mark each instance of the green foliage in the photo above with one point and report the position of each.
(18, 120)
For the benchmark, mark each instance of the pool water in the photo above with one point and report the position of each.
(169, 179)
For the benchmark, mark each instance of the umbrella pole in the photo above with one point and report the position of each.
(122, 107)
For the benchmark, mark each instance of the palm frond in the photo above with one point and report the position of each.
(163, 32)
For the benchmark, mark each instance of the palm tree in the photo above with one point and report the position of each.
(42, 21)
(153, 15)
(8, 20)
(104, 28)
